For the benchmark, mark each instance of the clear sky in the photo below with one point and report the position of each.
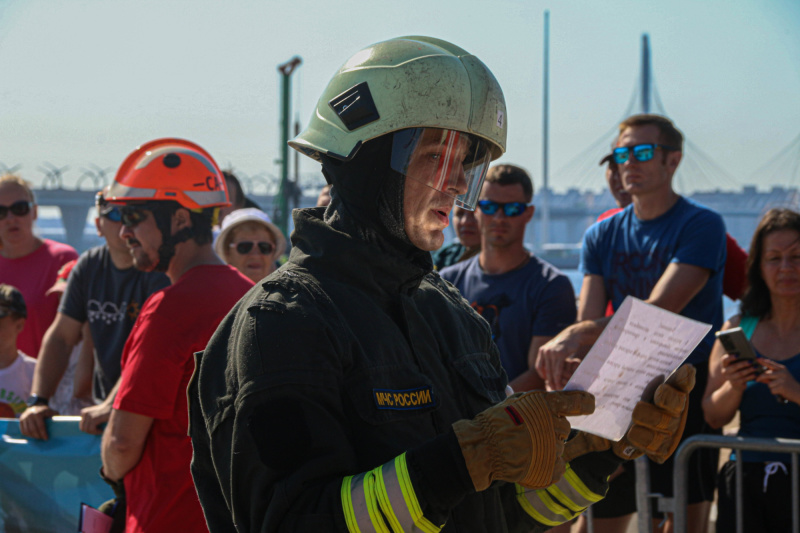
(85, 81)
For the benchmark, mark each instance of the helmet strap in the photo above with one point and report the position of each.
(163, 219)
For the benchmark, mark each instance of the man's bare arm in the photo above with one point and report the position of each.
(530, 379)
(57, 345)
(95, 416)
(574, 341)
(59, 340)
(678, 285)
(675, 288)
(593, 300)
(123, 442)
(84, 368)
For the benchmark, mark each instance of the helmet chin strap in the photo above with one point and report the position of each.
(166, 251)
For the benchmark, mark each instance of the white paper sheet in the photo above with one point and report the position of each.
(639, 348)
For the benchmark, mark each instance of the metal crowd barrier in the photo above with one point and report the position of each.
(679, 502)
(643, 517)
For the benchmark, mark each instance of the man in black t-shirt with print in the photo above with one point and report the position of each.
(107, 292)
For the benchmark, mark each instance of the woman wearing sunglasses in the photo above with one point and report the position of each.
(250, 243)
(28, 262)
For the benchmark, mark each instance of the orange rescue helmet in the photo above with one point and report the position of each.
(170, 169)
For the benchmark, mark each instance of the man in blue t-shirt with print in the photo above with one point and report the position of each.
(666, 250)
(525, 300)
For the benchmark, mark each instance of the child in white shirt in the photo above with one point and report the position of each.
(16, 368)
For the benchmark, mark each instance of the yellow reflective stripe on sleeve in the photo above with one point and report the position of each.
(388, 491)
(542, 508)
(410, 497)
(382, 500)
(565, 498)
(559, 502)
(347, 506)
(572, 485)
(354, 503)
(572, 492)
(371, 498)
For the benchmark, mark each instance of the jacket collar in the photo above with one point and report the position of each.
(355, 254)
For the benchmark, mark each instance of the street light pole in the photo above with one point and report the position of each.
(282, 205)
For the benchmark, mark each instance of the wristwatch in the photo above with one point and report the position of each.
(35, 399)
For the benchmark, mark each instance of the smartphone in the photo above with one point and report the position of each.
(735, 343)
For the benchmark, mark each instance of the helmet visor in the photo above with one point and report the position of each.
(451, 162)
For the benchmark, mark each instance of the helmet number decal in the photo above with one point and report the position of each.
(500, 118)
(213, 183)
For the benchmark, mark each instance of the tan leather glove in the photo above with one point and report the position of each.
(521, 440)
(656, 429)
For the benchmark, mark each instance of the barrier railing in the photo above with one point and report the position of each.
(677, 505)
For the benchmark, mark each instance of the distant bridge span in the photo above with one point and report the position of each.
(570, 213)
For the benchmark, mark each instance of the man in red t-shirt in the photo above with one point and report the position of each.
(171, 191)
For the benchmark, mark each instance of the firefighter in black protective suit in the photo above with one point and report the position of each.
(354, 389)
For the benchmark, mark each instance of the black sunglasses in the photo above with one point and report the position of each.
(510, 209)
(132, 216)
(641, 152)
(244, 247)
(18, 209)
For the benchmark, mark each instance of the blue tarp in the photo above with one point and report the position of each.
(43, 483)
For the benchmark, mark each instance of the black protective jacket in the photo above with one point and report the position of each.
(325, 399)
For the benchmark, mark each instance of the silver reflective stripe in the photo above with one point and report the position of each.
(382, 500)
(542, 508)
(392, 501)
(118, 190)
(571, 492)
(360, 508)
(207, 197)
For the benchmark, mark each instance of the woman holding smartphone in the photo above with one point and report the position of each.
(765, 392)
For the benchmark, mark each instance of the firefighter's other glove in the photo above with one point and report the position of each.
(521, 440)
(656, 429)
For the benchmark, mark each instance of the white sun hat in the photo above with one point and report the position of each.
(249, 214)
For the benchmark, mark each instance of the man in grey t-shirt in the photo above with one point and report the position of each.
(107, 292)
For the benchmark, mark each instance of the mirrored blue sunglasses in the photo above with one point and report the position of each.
(112, 213)
(641, 152)
(510, 209)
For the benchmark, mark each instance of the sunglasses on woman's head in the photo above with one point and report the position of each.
(244, 247)
(18, 209)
